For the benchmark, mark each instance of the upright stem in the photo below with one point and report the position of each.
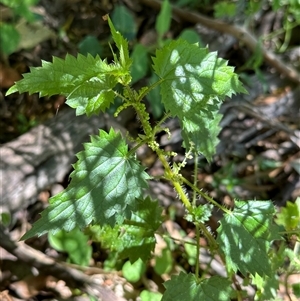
(195, 178)
(175, 182)
(197, 251)
(173, 176)
(140, 109)
(196, 224)
(204, 195)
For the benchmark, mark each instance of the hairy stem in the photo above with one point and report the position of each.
(211, 240)
(197, 251)
(204, 195)
(195, 178)
(175, 182)
(197, 226)
(142, 95)
(143, 115)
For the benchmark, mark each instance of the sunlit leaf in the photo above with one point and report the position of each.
(194, 84)
(122, 46)
(245, 235)
(86, 81)
(103, 188)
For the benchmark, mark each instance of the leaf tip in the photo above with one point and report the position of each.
(12, 90)
(105, 17)
(29, 234)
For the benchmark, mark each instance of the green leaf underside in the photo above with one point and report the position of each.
(136, 240)
(103, 188)
(86, 81)
(245, 235)
(122, 46)
(185, 287)
(194, 83)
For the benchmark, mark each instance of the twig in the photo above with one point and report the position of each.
(46, 265)
(240, 33)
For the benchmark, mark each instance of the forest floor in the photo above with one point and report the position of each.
(257, 158)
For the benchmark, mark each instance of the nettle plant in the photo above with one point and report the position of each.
(107, 191)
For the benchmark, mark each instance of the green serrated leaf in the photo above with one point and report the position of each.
(135, 238)
(266, 287)
(204, 134)
(190, 70)
(194, 83)
(103, 188)
(122, 46)
(200, 214)
(87, 82)
(148, 213)
(186, 287)
(94, 96)
(245, 235)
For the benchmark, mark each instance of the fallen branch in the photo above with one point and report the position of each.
(48, 266)
(240, 33)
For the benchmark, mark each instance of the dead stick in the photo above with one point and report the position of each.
(240, 33)
(46, 265)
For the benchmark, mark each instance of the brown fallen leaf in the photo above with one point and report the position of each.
(8, 76)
